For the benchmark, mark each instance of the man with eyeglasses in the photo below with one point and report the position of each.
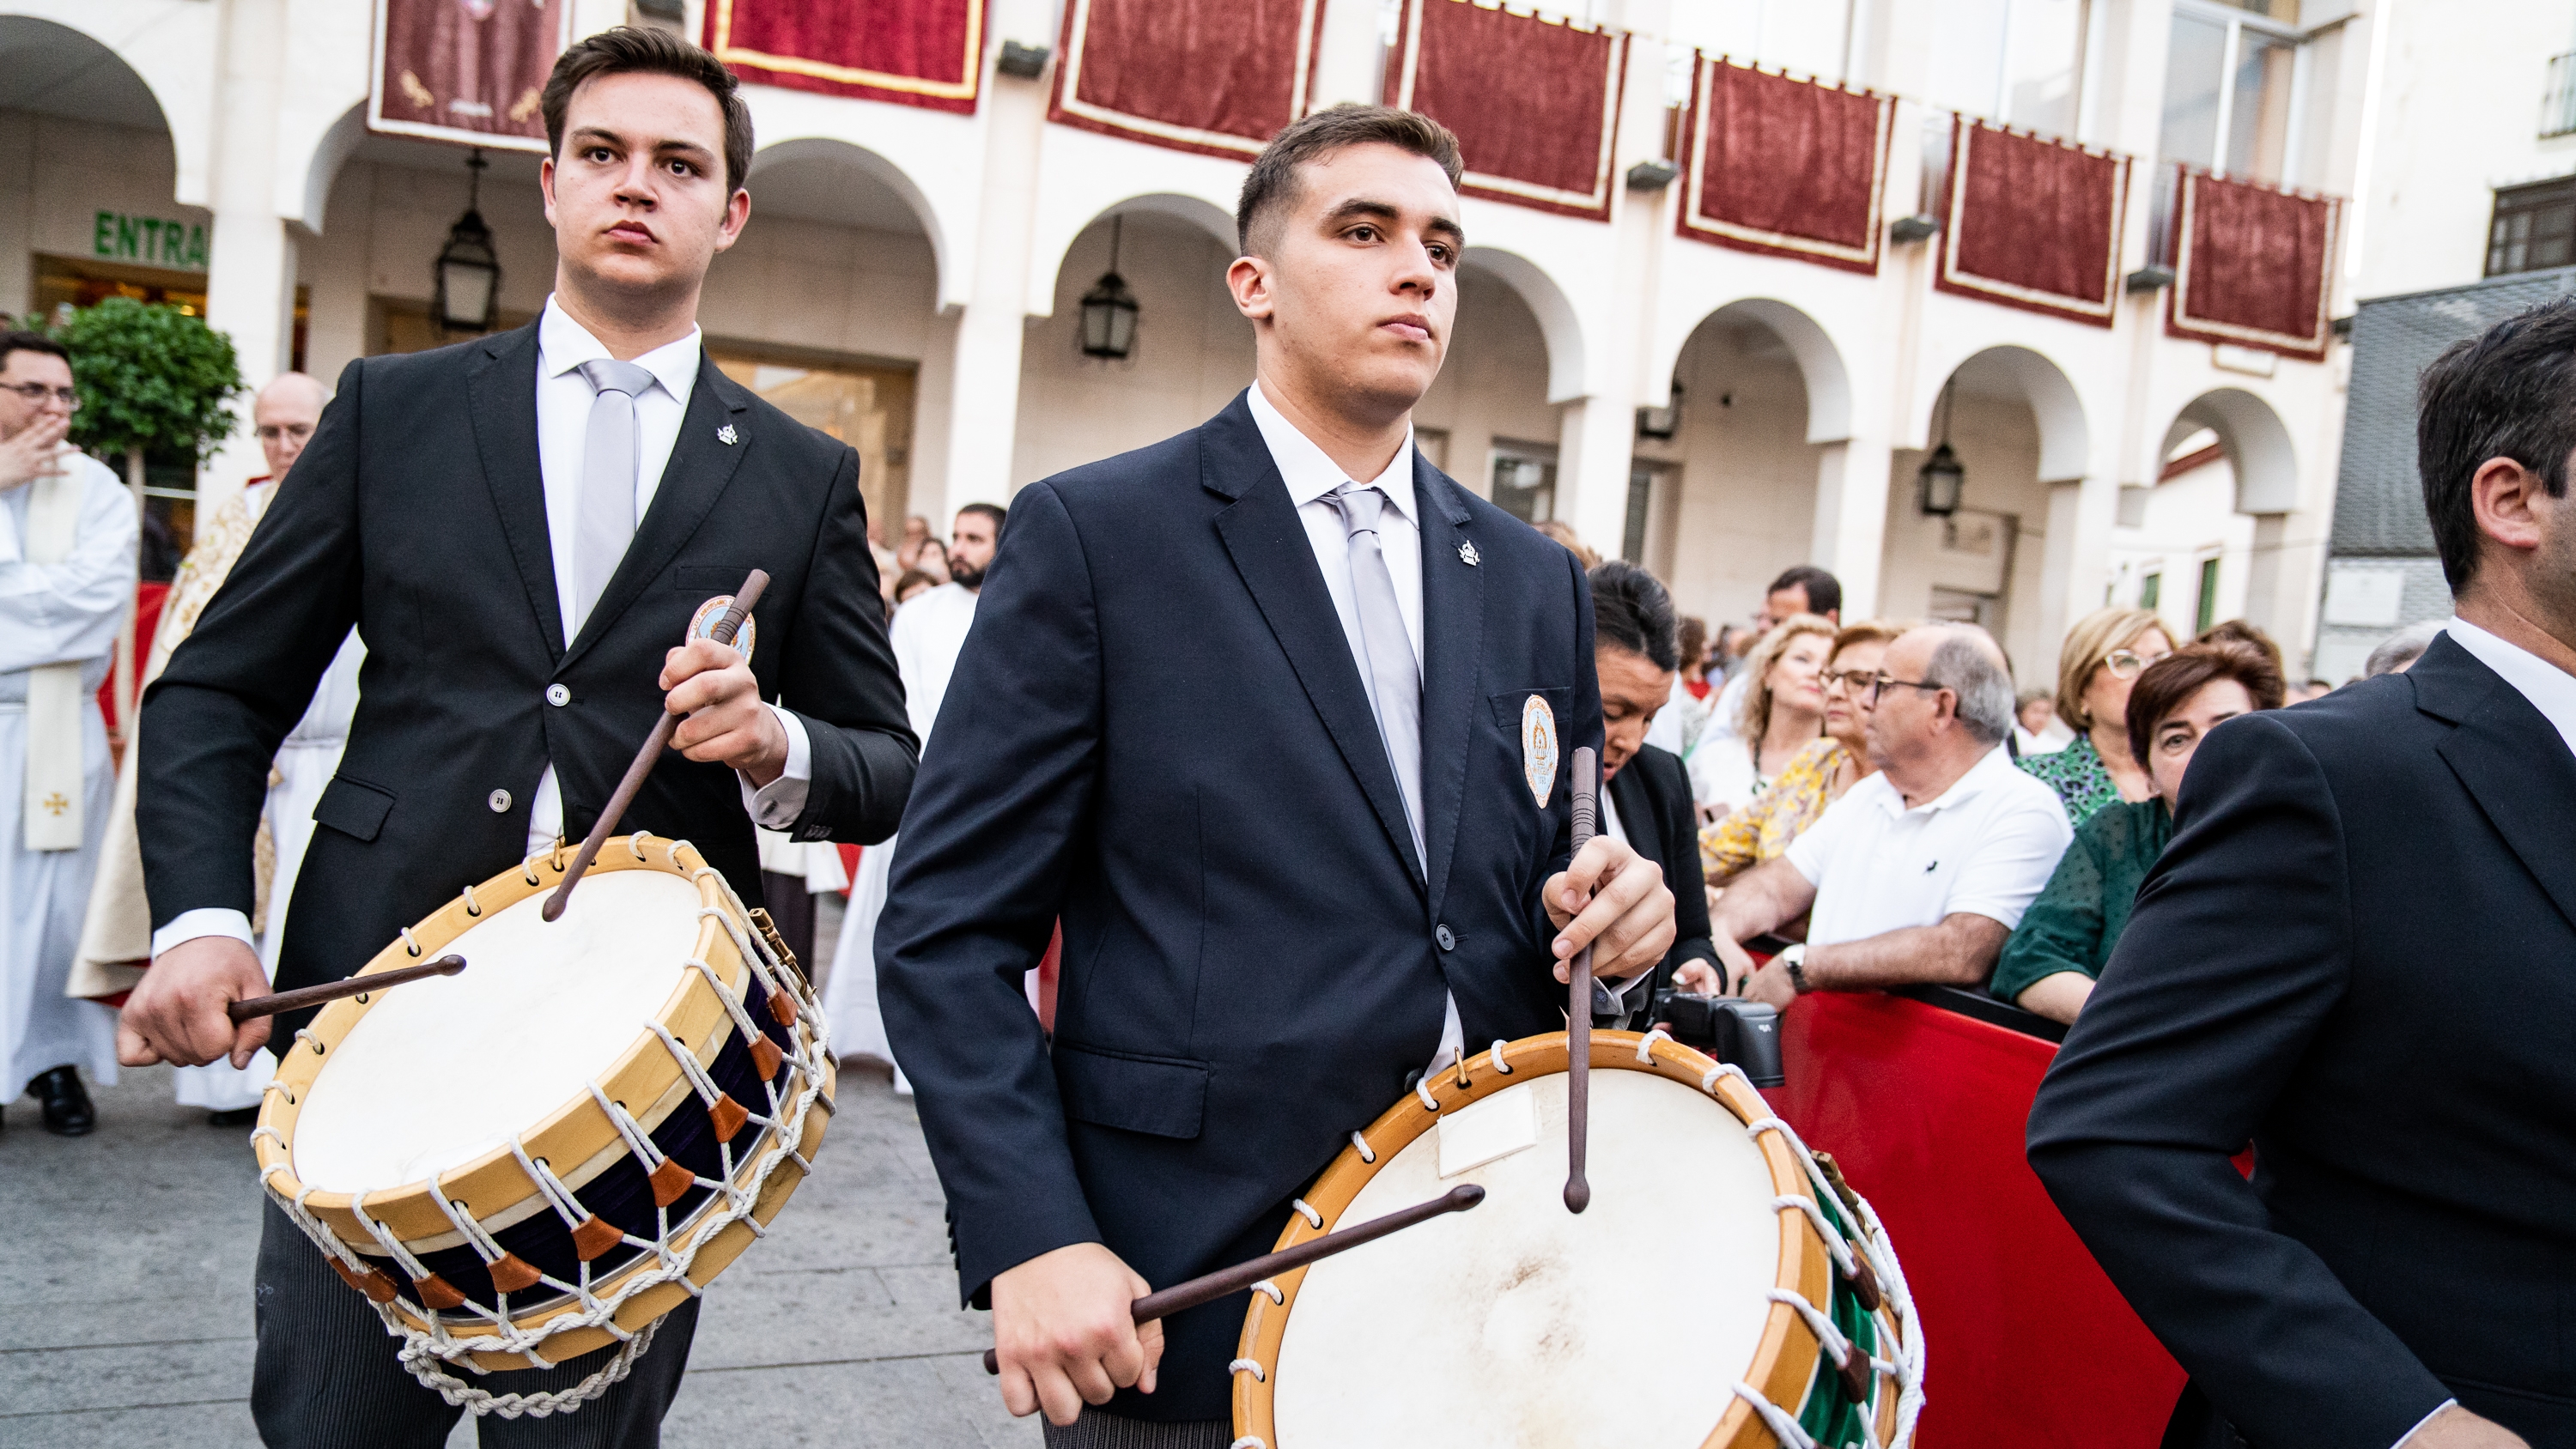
(1921, 871)
(67, 569)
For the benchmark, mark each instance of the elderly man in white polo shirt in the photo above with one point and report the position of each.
(1922, 870)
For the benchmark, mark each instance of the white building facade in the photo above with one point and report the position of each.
(910, 279)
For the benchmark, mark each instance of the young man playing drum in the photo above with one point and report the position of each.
(1275, 717)
(521, 528)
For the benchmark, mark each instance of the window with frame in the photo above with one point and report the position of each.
(2534, 228)
(2234, 74)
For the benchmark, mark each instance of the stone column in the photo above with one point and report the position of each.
(250, 280)
(1851, 518)
(2075, 565)
(984, 380)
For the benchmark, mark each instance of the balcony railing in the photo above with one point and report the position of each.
(2558, 100)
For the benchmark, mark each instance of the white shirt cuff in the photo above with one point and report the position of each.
(2409, 1436)
(777, 804)
(203, 921)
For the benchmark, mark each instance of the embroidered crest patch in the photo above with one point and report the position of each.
(1538, 748)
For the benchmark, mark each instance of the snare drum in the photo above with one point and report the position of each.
(544, 1154)
(1723, 1290)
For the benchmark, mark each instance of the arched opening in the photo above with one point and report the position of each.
(1490, 420)
(1724, 485)
(2189, 542)
(2018, 430)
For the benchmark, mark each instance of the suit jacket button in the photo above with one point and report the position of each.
(499, 800)
(558, 696)
(1448, 942)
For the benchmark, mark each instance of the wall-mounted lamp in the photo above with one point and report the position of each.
(1941, 481)
(1660, 424)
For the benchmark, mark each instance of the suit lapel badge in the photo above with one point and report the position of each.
(1467, 555)
(726, 435)
(1538, 748)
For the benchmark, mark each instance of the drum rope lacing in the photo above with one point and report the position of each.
(735, 1197)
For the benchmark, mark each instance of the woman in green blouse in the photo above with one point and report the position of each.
(2050, 963)
(2103, 654)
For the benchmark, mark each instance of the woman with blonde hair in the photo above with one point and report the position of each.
(1783, 713)
(2103, 657)
(1819, 774)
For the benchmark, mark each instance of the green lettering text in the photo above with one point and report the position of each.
(102, 238)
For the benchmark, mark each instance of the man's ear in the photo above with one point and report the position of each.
(1252, 281)
(546, 186)
(737, 215)
(2505, 498)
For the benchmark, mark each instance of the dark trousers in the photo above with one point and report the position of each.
(1096, 1430)
(327, 1376)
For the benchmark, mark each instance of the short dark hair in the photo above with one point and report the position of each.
(1824, 591)
(1272, 183)
(628, 49)
(1632, 611)
(2508, 393)
(2167, 684)
(993, 511)
(2248, 633)
(31, 342)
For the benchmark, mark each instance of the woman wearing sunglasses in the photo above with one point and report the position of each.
(2103, 655)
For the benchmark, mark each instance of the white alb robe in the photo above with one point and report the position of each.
(53, 614)
(927, 636)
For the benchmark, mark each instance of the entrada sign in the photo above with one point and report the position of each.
(120, 238)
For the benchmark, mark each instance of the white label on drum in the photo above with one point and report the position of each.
(1496, 1127)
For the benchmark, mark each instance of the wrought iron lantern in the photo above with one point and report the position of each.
(1942, 480)
(468, 270)
(1109, 309)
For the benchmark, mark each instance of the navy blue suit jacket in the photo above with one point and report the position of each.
(2360, 952)
(1157, 733)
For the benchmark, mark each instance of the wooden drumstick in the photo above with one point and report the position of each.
(1578, 1002)
(647, 757)
(251, 1008)
(1181, 1297)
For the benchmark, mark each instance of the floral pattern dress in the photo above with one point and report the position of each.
(2078, 776)
(1763, 828)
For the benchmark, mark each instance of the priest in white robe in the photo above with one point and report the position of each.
(927, 635)
(68, 550)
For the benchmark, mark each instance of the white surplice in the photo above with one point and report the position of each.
(51, 614)
(927, 635)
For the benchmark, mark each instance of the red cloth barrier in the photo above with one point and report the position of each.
(2032, 222)
(911, 52)
(148, 599)
(1789, 167)
(1534, 101)
(1218, 77)
(2253, 265)
(2027, 1343)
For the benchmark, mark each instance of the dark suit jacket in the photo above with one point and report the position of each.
(1157, 732)
(1652, 794)
(2360, 952)
(418, 515)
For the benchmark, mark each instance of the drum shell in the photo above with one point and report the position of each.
(494, 1189)
(1788, 1357)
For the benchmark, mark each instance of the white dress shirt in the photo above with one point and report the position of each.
(1985, 845)
(564, 400)
(2551, 690)
(1310, 476)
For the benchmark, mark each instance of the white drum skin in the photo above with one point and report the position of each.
(1519, 1323)
(442, 1071)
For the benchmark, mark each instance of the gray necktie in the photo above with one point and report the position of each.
(606, 520)
(1386, 662)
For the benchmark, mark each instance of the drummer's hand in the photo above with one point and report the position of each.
(1063, 1329)
(176, 1013)
(727, 723)
(1629, 921)
(2457, 1428)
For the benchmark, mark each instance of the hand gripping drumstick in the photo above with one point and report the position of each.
(647, 757)
(251, 1008)
(1183, 1296)
(1578, 1002)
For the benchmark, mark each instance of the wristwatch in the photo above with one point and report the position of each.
(1794, 961)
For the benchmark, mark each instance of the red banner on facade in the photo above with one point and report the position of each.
(1789, 167)
(2253, 265)
(1219, 77)
(912, 52)
(1534, 99)
(469, 71)
(2032, 222)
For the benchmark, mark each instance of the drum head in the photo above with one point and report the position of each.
(438, 1072)
(1519, 1323)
